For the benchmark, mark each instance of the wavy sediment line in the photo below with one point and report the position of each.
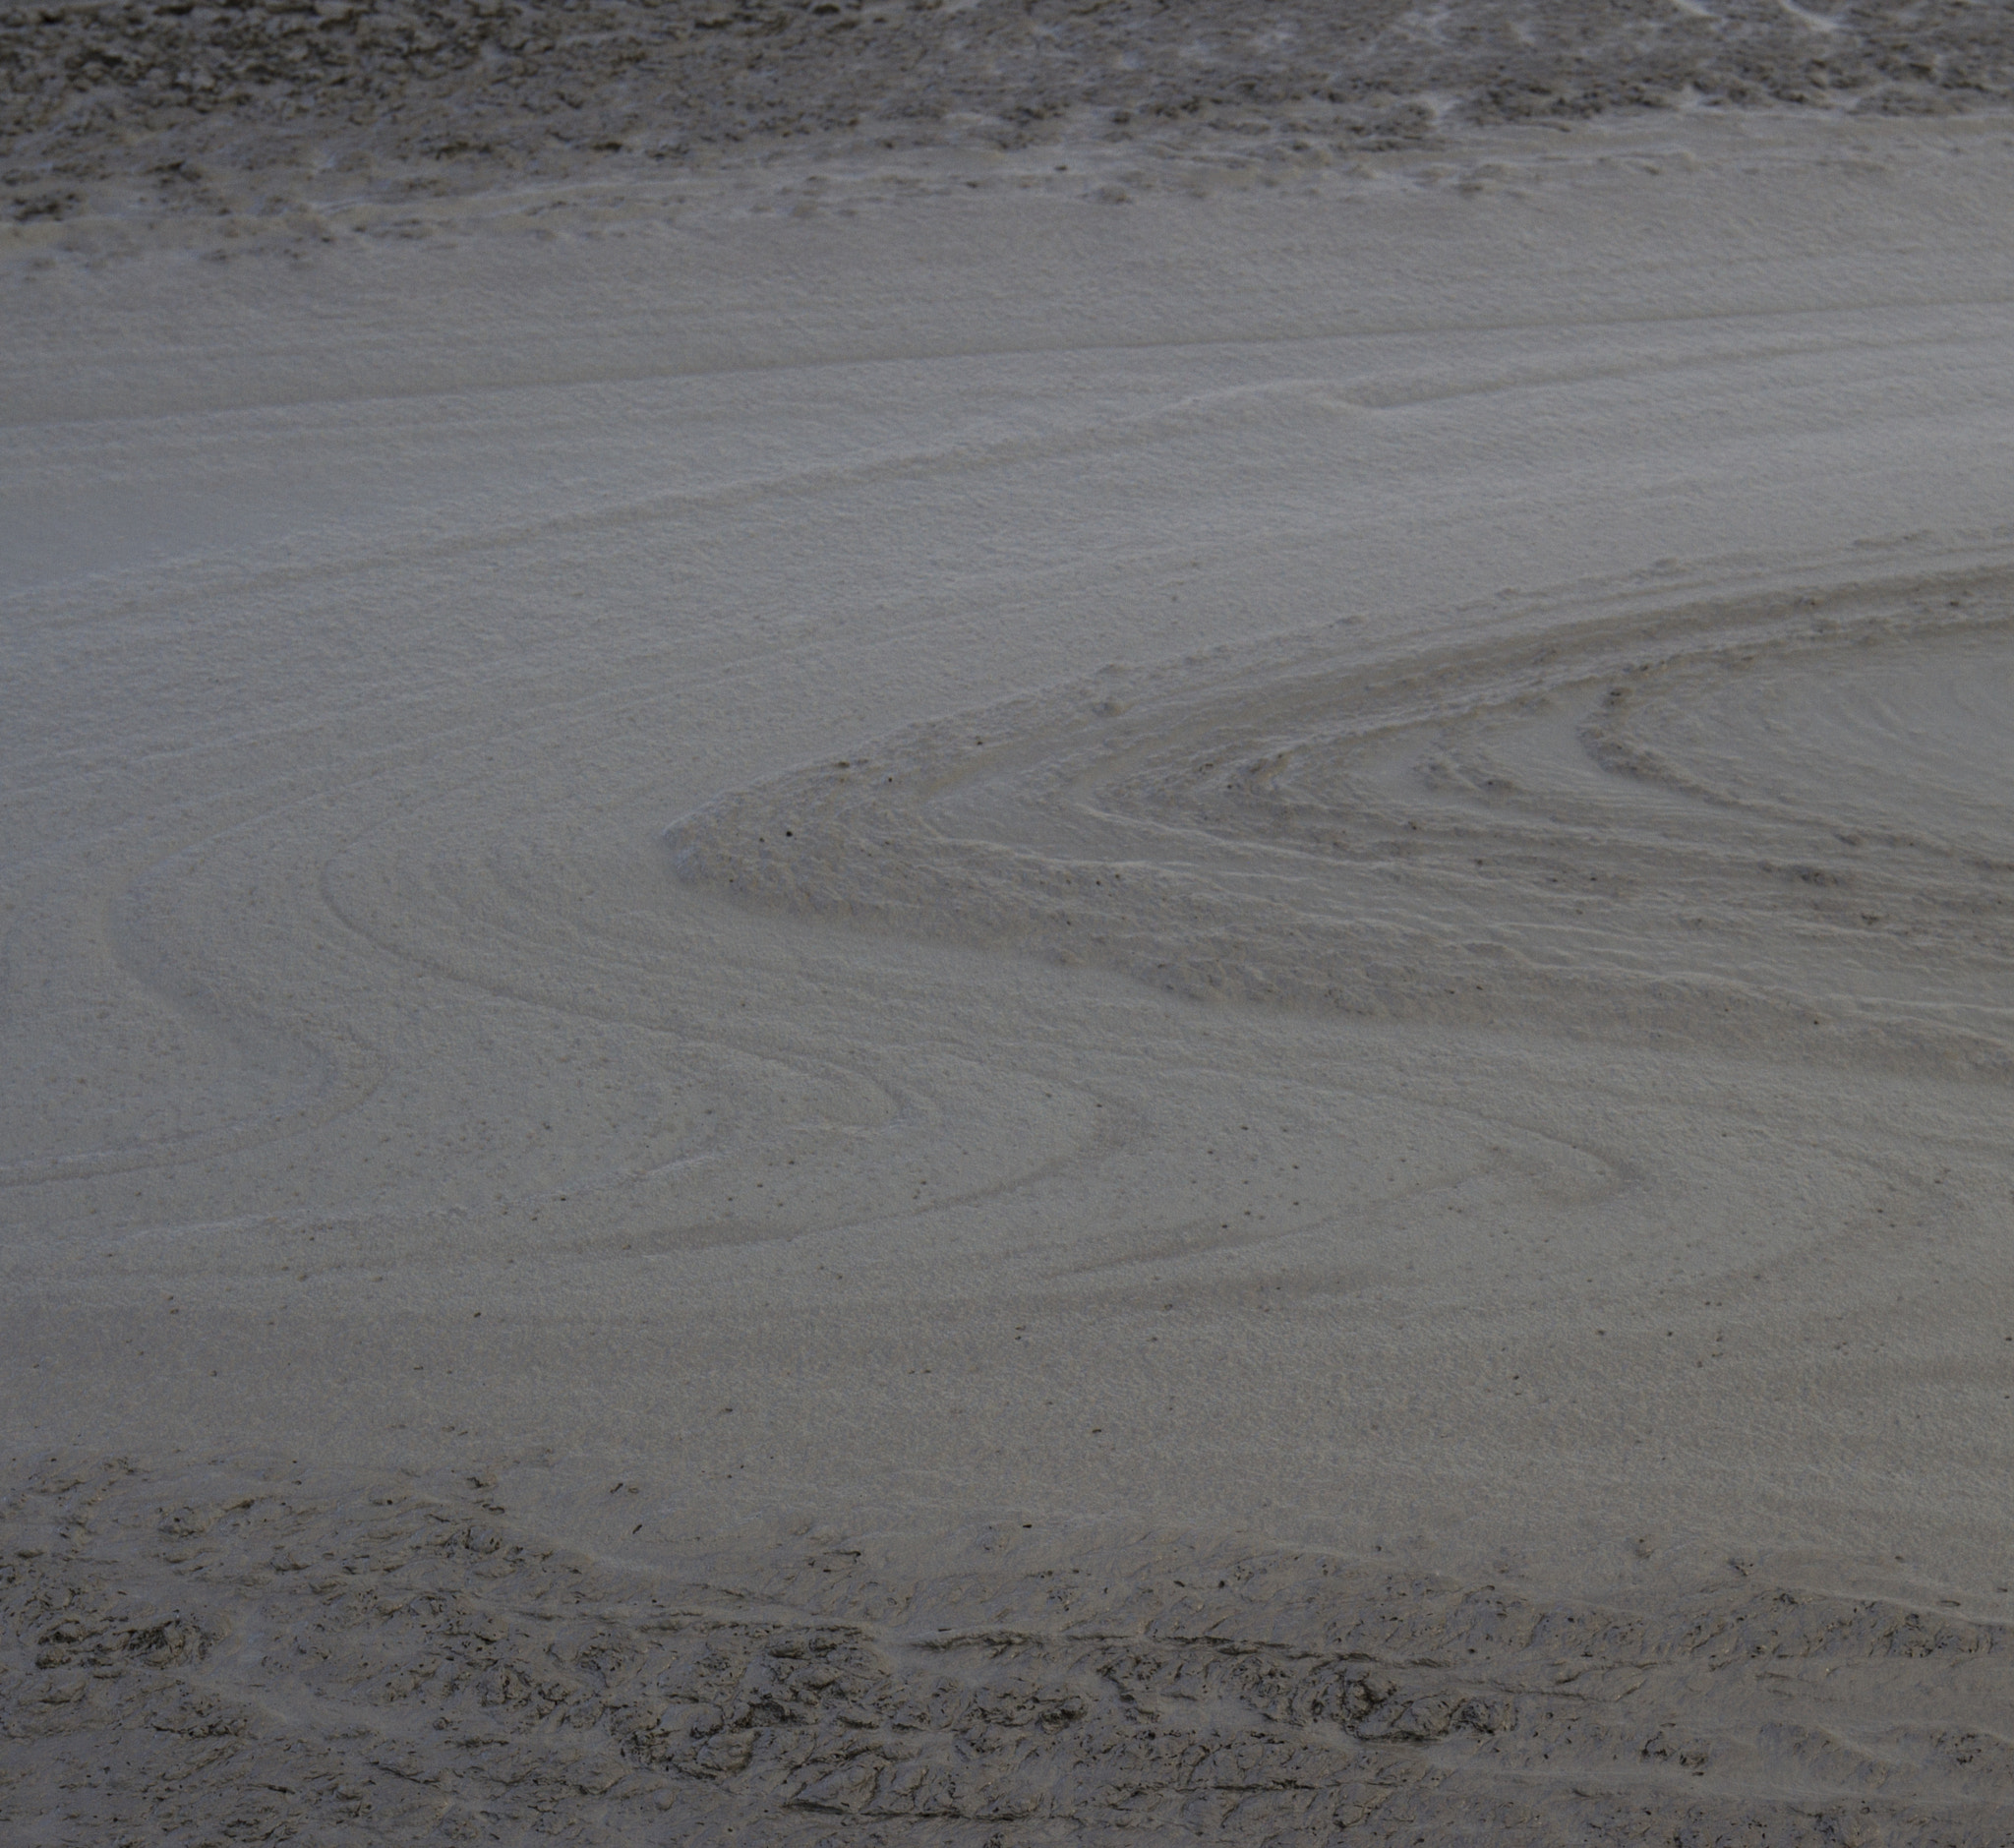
(1600, 831)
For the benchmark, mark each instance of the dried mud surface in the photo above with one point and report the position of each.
(451, 93)
(401, 1663)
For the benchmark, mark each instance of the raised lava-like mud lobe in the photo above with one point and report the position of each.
(456, 91)
(1774, 826)
(399, 1662)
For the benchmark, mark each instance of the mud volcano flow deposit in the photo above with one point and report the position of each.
(985, 923)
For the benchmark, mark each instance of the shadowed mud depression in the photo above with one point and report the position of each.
(1015, 972)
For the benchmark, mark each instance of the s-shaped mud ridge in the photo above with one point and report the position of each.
(200, 1657)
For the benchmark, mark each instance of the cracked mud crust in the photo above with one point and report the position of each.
(292, 98)
(191, 1660)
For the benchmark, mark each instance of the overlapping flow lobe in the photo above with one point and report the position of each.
(1742, 824)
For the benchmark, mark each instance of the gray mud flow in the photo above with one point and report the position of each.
(1006, 924)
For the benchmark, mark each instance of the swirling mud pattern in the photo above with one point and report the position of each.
(992, 926)
(1781, 825)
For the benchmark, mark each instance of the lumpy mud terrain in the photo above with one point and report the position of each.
(257, 1663)
(472, 91)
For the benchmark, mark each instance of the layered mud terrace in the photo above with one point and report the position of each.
(419, 94)
(404, 1661)
(1769, 825)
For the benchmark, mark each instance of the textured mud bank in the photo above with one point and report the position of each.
(399, 1661)
(252, 106)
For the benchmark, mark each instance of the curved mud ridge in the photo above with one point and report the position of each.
(409, 1664)
(1775, 825)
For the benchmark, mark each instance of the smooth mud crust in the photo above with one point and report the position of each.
(470, 87)
(254, 1662)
